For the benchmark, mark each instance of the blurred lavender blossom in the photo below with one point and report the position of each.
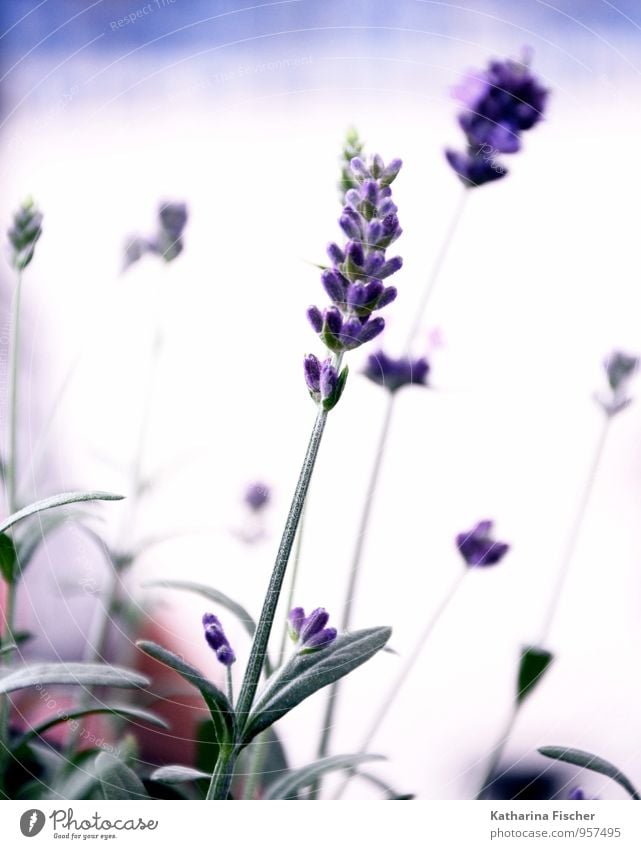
(167, 242)
(24, 233)
(394, 373)
(620, 368)
(478, 548)
(500, 103)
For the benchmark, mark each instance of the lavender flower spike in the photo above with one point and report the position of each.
(310, 631)
(393, 374)
(325, 384)
(217, 640)
(500, 103)
(353, 282)
(478, 548)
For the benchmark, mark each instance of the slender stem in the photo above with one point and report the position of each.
(497, 753)
(221, 778)
(405, 671)
(12, 459)
(7, 638)
(292, 584)
(575, 530)
(430, 284)
(230, 686)
(12, 470)
(264, 627)
(354, 573)
(566, 562)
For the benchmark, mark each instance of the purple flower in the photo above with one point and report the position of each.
(478, 548)
(257, 495)
(501, 103)
(217, 640)
(354, 280)
(619, 370)
(393, 374)
(325, 384)
(310, 631)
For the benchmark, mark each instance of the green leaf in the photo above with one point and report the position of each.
(178, 774)
(9, 567)
(222, 713)
(275, 763)
(391, 794)
(534, 664)
(304, 674)
(213, 595)
(118, 781)
(125, 711)
(577, 757)
(56, 501)
(294, 781)
(81, 674)
(19, 637)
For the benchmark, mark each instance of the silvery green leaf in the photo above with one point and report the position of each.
(577, 757)
(125, 711)
(212, 595)
(83, 674)
(294, 781)
(222, 713)
(533, 666)
(56, 501)
(390, 793)
(304, 674)
(118, 781)
(178, 774)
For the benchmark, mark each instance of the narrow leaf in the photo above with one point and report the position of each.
(80, 674)
(294, 781)
(178, 774)
(211, 595)
(8, 559)
(390, 793)
(126, 711)
(117, 780)
(222, 713)
(57, 501)
(577, 757)
(533, 666)
(304, 674)
(35, 534)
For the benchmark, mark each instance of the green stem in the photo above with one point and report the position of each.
(566, 562)
(499, 749)
(431, 281)
(230, 686)
(405, 672)
(264, 627)
(292, 586)
(12, 460)
(354, 572)
(224, 768)
(577, 525)
(7, 638)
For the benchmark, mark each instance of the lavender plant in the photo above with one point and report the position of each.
(354, 284)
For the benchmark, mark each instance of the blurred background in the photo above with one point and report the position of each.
(110, 108)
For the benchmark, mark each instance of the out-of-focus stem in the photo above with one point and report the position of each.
(555, 597)
(292, 585)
